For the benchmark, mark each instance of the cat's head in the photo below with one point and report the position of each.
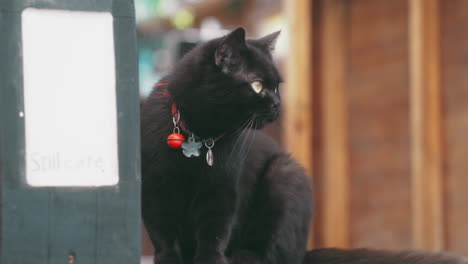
(225, 83)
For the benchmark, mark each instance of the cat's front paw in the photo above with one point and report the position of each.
(167, 258)
(244, 257)
(217, 259)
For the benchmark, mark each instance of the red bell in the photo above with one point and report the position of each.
(175, 140)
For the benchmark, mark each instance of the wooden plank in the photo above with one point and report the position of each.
(379, 127)
(454, 66)
(297, 96)
(428, 226)
(72, 220)
(25, 213)
(45, 224)
(335, 188)
(118, 208)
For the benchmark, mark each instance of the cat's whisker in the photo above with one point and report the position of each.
(241, 129)
(253, 138)
(248, 133)
(241, 135)
(236, 147)
(244, 125)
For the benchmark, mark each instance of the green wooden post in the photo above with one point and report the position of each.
(98, 223)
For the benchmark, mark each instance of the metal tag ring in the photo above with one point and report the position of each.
(178, 118)
(209, 143)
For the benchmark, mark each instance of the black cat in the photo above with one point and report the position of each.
(253, 205)
(242, 200)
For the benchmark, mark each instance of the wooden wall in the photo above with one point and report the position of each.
(388, 99)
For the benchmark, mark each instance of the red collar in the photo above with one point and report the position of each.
(163, 92)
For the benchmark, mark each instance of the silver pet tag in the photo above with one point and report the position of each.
(209, 154)
(209, 157)
(191, 147)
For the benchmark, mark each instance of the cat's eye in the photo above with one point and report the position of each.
(257, 86)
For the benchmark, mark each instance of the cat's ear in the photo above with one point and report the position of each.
(228, 53)
(269, 41)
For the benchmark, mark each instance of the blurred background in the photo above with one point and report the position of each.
(375, 106)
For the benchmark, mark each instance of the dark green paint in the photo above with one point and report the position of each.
(43, 225)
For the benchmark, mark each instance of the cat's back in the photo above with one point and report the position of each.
(264, 149)
(266, 161)
(260, 149)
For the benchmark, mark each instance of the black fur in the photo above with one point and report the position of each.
(366, 256)
(254, 204)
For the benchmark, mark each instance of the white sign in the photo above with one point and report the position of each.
(69, 98)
